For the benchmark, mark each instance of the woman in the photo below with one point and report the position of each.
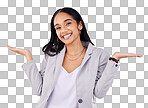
(73, 69)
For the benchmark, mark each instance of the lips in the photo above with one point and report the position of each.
(67, 36)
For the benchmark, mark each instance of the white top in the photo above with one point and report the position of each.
(64, 93)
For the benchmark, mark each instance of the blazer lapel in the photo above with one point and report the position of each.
(59, 61)
(88, 51)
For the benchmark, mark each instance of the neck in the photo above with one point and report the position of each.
(74, 48)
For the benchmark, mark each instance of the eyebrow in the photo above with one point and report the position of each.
(64, 21)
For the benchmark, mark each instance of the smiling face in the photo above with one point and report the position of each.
(67, 28)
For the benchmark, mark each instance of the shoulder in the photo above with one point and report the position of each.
(100, 51)
(47, 57)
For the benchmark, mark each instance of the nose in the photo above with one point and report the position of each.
(64, 29)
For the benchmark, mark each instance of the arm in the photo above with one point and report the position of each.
(105, 75)
(35, 76)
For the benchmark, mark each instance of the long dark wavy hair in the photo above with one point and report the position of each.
(55, 45)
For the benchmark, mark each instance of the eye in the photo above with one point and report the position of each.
(68, 23)
(60, 27)
(57, 27)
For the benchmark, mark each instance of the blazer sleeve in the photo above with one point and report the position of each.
(34, 75)
(105, 74)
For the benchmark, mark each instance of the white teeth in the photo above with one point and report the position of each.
(67, 36)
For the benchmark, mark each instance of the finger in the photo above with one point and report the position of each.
(134, 55)
(11, 48)
(139, 55)
(8, 46)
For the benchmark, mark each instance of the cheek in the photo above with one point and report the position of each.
(74, 28)
(57, 33)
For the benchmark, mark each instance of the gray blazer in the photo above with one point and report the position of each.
(93, 80)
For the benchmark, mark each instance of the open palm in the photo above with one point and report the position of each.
(119, 55)
(21, 51)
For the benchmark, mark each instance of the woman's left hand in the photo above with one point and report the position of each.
(118, 55)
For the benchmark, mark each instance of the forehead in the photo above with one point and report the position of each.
(60, 17)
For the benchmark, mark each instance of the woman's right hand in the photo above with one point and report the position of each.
(21, 51)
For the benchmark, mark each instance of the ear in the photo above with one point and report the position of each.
(80, 26)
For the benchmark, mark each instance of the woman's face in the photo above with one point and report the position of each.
(67, 28)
